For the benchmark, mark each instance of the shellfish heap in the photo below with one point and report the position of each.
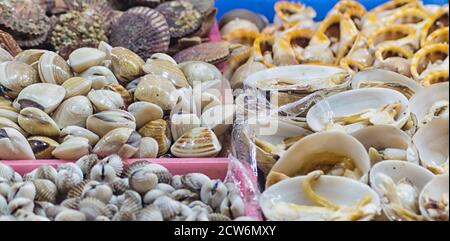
(360, 92)
(109, 101)
(95, 189)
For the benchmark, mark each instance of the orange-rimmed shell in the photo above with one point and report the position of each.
(394, 5)
(428, 59)
(389, 51)
(360, 52)
(409, 16)
(353, 8)
(400, 35)
(242, 36)
(351, 65)
(435, 77)
(263, 47)
(299, 39)
(348, 35)
(439, 36)
(292, 13)
(438, 20)
(394, 58)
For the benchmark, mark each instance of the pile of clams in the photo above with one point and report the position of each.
(107, 101)
(355, 109)
(94, 189)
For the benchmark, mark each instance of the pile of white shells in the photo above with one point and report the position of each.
(109, 101)
(96, 189)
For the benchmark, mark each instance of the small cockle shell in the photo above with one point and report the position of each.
(7, 173)
(198, 142)
(126, 65)
(122, 141)
(72, 149)
(20, 204)
(53, 69)
(14, 146)
(150, 213)
(46, 172)
(36, 122)
(84, 58)
(42, 146)
(184, 195)
(76, 131)
(148, 149)
(70, 216)
(213, 193)
(194, 181)
(152, 195)
(46, 190)
(134, 167)
(72, 167)
(168, 70)
(106, 121)
(66, 180)
(77, 86)
(103, 172)
(43, 96)
(97, 190)
(158, 90)
(104, 100)
(22, 190)
(163, 174)
(143, 180)
(200, 71)
(144, 112)
(170, 208)
(100, 77)
(86, 163)
(158, 130)
(73, 112)
(92, 208)
(15, 76)
(119, 186)
(116, 162)
(182, 123)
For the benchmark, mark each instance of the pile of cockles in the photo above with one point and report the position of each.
(94, 189)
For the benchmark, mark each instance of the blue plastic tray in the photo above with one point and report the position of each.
(321, 6)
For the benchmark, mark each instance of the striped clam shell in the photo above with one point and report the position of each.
(103, 122)
(198, 142)
(54, 69)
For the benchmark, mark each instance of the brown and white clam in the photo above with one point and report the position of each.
(122, 91)
(14, 146)
(46, 190)
(166, 69)
(14, 77)
(30, 57)
(148, 149)
(122, 141)
(197, 71)
(83, 58)
(157, 90)
(103, 122)
(42, 146)
(72, 149)
(158, 130)
(36, 122)
(100, 77)
(43, 96)
(106, 100)
(76, 131)
(73, 112)
(9, 112)
(145, 112)
(54, 69)
(126, 65)
(182, 123)
(198, 142)
(77, 86)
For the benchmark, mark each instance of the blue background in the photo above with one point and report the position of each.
(321, 6)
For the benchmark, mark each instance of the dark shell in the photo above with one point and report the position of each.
(46, 5)
(208, 23)
(32, 40)
(182, 17)
(257, 19)
(23, 17)
(8, 43)
(145, 3)
(204, 6)
(142, 30)
(212, 52)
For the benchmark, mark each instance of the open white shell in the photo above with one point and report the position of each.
(423, 100)
(434, 189)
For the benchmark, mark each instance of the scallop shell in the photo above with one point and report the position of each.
(42, 146)
(106, 100)
(181, 16)
(70, 216)
(122, 141)
(53, 69)
(46, 190)
(103, 172)
(72, 203)
(66, 180)
(145, 112)
(126, 65)
(158, 130)
(72, 149)
(198, 142)
(93, 208)
(14, 146)
(168, 70)
(116, 162)
(104, 122)
(77, 86)
(73, 112)
(43, 96)
(156, 37)
(143, 181)
(100, 77)
(37, 123)
(76, 131)
(24, 17)
(148, 149)
(295, 163)
(119, 186)
(83, 58)
(212, 52)
(14, 77)
(157, 90)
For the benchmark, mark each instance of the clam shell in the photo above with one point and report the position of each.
(422, 102)
(154, 34)
(157, 90)
(84, 58)
(116, 162)
(434, 190)
(15, 76)
(428, 59)
(22, 190)
(20, 204)
(168, 70)
(119, 186)
(36, 122)
(104, 100)
(182, 123)
(193, 181)
(42, 146)
(9, 112)
(43, 96)
(93, 208)
(7, 174)
(329, 187)
(72, 149)
(293, 162)
(46, 190)
(46, 172)
(70, 216)
(86, 163)
(7, 123)
(97, 190)
(126, 65)
(200, 71)
(213, 193)
(30, 57)
(145, 112)
(158, 130)
(76, 131)
(163, 174)
(122, 141)
(73, 112)
(66, 180)
(14, 146)
(100, 77)
(77, 86)
(119, 89)
(212, 52)
(53, 69)
(143, 181)
(198, 142)
(104, 122)
(103, 172)
(219, 118)
(150, 213)
(148, 149)
(133, 167)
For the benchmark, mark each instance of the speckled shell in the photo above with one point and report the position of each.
(122, 141)
(212, 52)
(181, 16)
(158, 130)
(73, 112)
(142, 30)
(198, 142)
(46, 97)
(54, 69)
(126, 65)
(24, 17)
(14, 77)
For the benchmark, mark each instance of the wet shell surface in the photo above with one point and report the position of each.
(84, 58)
(433, 198)
(73, 112)
(103, 122)
(166, 69)
(100, 76)
(42, 146)
(54, 69)
(77, 86)
(126, 64)
(104, 100)
(198, 142)
(43, 96)
(150, 40)
(122, 141)
(15, 76)
(36, 122)
(157, 90)
(148, 149)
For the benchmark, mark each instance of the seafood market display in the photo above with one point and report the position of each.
(345, 118)
(94, 189)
